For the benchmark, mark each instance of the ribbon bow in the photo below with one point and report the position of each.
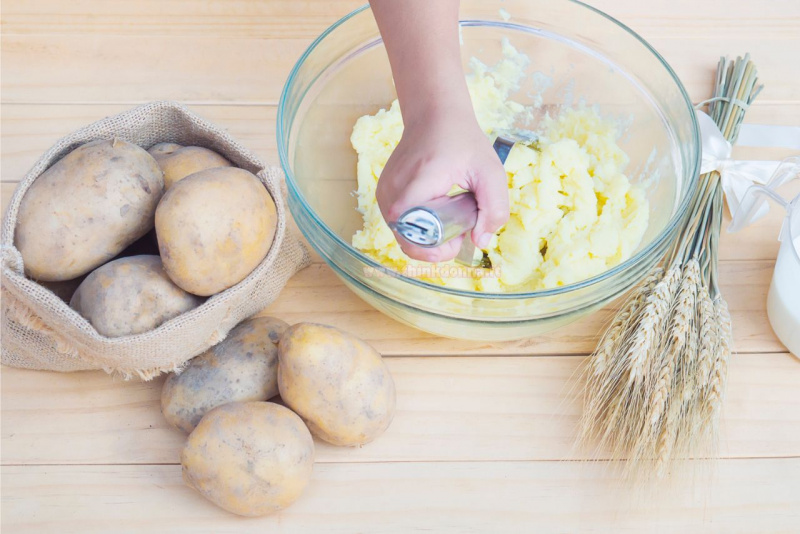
(738, 175)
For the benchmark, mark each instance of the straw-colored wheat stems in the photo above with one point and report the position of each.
(613, 335)
(719, 371)
(653, 316)
(676, 344)
(708, 340)
(667, 436)
(656, 382)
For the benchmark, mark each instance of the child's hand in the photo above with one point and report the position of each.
(442, 144)
(441, 150)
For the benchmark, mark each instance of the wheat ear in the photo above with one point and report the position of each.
(647, 332)
(676, 342)
(699, 374)
(604, 368)
(613, 336)
(715, 390)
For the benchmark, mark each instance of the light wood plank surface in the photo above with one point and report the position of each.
(483, 437)
(448, 409)
(28, 130)
(444, 497)
(316, 294)
(291, 18)
(253, 70)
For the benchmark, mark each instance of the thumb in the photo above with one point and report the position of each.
(491, 193)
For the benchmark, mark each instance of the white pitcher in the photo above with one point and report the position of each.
(783, 302)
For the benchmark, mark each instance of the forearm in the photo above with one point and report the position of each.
(421, 39)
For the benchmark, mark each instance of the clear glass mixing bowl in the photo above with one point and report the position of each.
(578, 54)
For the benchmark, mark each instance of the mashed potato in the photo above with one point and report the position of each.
(574, 214)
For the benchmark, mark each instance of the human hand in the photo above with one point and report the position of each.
(444, 149)
(442, 144)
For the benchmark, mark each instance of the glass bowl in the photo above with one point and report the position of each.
(578, 54)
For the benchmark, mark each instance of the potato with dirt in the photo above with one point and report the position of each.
(86, 208)
(214, 227)
(249, 458)
(243, 367)
(336, 382)
(273, 327)
(178, 161)
(129, 296)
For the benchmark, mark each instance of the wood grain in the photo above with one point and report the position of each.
(448, 409)
(74, 68)
(483, 437)
(308, 18)
(316, 294)
(741, 497)
(28, 130)
(223, 18)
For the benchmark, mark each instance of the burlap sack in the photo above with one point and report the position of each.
(40, 331)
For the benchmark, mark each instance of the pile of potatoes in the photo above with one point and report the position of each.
(253, 457)
(133, 238)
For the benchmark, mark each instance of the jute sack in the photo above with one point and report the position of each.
(39, 329)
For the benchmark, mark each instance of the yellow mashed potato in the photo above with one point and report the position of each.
(574, 213)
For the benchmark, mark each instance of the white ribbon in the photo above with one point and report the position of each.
(769, 135)
(738, 175)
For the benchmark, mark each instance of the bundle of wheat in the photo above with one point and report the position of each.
(656, 382)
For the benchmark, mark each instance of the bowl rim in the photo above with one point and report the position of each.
(640, 256)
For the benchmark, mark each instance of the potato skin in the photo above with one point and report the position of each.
(249, 458)
(214, 227)
(243, 367)
(163, 150)
(178, 161)
(337, 383)
(86, 208)
(130, 296)
(273, 327)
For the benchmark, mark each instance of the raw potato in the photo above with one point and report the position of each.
(336, 382)
(130, 296)
(250, 458)
(274, 328)
(243, 367)
(178, 161)
(86, 209)
(214, 227)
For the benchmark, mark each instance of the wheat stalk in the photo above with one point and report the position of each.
(656, 382)
(699, 373)
(679, 332)
(631, 333)
(610, 340)
(666, 439)
(603, 364)
(708, 340)
(653, 316)
(715, 391)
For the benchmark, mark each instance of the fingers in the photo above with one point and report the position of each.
(420, 190)
(491, 193)
(395, 194)
(416, 174)
(444, 252)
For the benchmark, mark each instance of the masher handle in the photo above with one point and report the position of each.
(458, 214)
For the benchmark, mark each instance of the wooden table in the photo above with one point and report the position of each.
(483, 437)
